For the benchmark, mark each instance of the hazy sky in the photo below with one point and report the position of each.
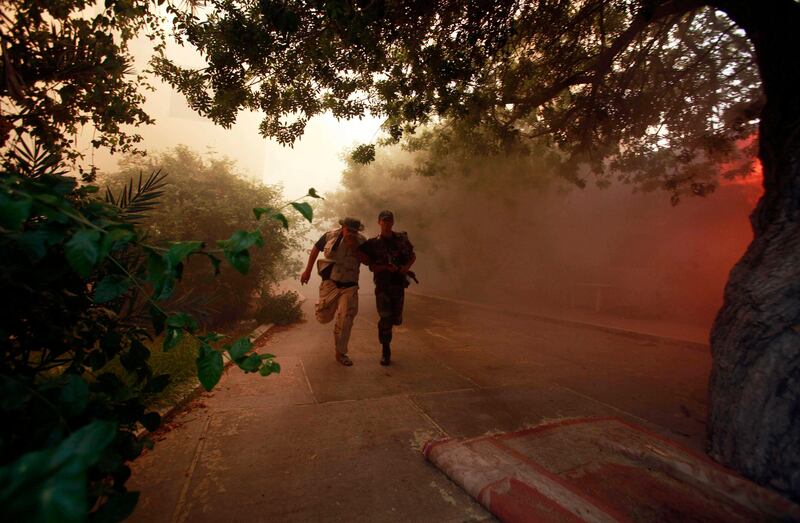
(315, 161)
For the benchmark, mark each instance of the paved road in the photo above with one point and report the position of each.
(322, 442)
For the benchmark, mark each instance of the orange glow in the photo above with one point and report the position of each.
(754, 178)
(752, 183)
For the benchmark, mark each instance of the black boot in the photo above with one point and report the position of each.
(386, 358)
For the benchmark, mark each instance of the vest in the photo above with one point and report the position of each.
(346, 265)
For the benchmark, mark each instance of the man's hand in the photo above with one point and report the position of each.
(305, 277)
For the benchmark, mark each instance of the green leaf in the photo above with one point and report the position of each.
(51, 484)
(209, 366)
(117, 237)
(313, 193)
(87, 443)
(260, 211)
(14, 213)
(250, 363)
(180, 250)
(281, 218)
(35, 490)
(181, 320)
(305, 209)
(241, 240)
(36, 242)
(270, 367)
(239, 260)
(235, 248)
(172, 338)
(239, 348)
(73, 396)
(161, 274)
(49, 199)
(266, 356)
(83, 251)
(111, 287)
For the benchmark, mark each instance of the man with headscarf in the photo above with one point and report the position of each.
(338, 291)
(391, 256)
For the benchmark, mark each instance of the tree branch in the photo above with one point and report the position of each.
(598, 68)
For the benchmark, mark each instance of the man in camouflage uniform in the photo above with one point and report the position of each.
(338, 292)
(391, 255)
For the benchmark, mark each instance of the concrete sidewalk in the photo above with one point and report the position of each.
(322, 442)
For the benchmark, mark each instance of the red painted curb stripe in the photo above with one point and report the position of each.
(611, 511)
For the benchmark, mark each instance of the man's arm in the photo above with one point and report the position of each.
(364, 254)
(361, 250)
(312, 257)
(363, 258)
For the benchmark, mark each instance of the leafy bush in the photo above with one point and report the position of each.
(280, 309)
(78, 278)
(206, 198)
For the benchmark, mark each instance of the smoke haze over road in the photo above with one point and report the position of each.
(504, 234)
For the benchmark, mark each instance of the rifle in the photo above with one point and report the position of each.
(410, 274)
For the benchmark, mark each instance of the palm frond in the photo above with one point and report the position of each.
(35, 161)
(135, 202)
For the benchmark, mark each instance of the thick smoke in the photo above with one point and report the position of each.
(504, 233)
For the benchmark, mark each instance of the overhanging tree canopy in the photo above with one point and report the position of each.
(65, 64)
(657, 93)
(647, 89)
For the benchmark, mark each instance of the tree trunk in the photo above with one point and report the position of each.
(754, 407)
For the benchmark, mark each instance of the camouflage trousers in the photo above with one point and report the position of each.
(341, 304)
(389, 302)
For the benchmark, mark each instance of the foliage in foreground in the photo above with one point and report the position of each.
(78, 278)
(77, 275)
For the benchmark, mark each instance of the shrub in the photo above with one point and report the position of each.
(280, 309)
(206, 198)
(78, 278)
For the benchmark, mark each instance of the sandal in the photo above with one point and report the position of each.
(343, 359)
